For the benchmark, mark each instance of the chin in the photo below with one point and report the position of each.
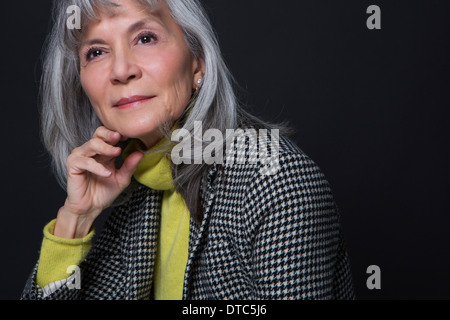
(148, 137)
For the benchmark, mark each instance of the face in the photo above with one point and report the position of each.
(137, 70)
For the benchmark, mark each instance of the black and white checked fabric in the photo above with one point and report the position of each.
(263, 236)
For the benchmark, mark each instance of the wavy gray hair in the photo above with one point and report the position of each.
(68, 119)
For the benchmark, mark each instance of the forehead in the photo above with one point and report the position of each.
(119, 7)
(115, 13)
(91, 9)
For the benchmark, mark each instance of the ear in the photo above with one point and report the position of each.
(199, 71)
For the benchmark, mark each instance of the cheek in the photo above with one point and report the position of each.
(177, 76)
(171, 66)
(93, 88)
(95, 78)
(89, 84)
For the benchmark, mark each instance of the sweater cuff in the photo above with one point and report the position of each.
(59, 255)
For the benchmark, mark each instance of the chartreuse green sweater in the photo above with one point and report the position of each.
(58, 254)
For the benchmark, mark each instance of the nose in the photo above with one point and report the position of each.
(124, 69)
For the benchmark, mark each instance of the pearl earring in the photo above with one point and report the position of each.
(199, 82)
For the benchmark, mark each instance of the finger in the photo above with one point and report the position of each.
(96, 146)
(128, 167)
(107, 135)
(82, 165)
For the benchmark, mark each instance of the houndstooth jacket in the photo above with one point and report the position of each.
(263, 236)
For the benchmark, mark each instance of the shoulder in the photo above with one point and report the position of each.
(265, 159)
(283, 194)
(287, 183)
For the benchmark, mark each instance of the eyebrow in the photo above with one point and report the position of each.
(132, 28)
(137, 25)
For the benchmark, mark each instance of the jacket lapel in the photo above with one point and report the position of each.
(141, 243)
(196, 232)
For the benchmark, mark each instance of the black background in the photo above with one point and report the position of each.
(371, 107)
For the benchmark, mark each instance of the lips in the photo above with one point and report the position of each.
(130, 101)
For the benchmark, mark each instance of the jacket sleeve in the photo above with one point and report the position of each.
(59, 257)
(58, 263)
(298, 250)
(99, 276)
(59, 290)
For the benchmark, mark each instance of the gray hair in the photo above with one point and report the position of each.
(68, 119)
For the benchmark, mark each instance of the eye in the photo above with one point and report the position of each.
(93, 53)
(147, 38)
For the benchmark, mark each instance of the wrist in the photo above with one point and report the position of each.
(72, 226)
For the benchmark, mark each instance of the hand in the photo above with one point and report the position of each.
(93, 182)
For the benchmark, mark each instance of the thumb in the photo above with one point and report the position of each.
(128, 167)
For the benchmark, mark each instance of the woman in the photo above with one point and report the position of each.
(115, 92)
